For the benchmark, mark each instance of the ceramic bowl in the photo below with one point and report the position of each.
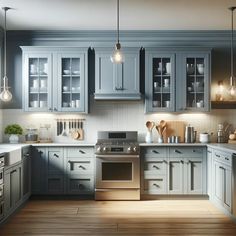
(66, 72)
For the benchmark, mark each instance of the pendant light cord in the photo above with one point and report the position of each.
(232, 39)
(5, 41)
(118, 21)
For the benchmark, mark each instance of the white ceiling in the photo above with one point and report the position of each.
(134, 14)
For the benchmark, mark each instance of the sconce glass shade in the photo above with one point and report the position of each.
(117, 56)
(5, 95)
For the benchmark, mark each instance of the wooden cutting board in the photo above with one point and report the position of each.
(175, 128)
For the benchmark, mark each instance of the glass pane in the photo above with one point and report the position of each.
(70, 82)
(116, 171)
(195, 82)
(38, 82)
(162, 82)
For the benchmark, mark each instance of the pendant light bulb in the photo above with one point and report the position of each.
(5, 94)
(232, 88)
(117, 56)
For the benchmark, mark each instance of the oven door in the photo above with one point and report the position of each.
(117, 171)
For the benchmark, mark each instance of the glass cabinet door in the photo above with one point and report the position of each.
(197, 82)
(162, 86)
(71, 87)
(38, 72)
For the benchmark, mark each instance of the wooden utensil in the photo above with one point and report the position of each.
(149, 125)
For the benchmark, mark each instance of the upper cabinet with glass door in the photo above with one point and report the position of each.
(55, 79)
(38, 79)
(71, 68)
(160, 81)
(196, 81)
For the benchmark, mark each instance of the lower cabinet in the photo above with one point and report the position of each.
(13, 188)
(64, 170)
(26, 173)
(173, 170)
(222, 179)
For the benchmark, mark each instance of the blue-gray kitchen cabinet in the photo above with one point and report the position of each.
(193, 85)
(13, 188)
(177, 79)
(55, 79)
(117, 81)
(160, 81)
(26, 172)
(222, 179)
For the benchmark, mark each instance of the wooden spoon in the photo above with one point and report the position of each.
(149, 125)
(163, 123)
(158, 128)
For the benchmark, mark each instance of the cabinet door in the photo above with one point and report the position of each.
(209, 172)
(195, 175)
(55, 161)
(38, 166)
(193, 88)
(26, 174)
(37, 77)
(217, 182)
(7, 192)
(160, 81)
(71, 82)
(175, 175)
(16, 187)
(227, 187)
(117, 81)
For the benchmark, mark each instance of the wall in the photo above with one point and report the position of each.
(117, 115)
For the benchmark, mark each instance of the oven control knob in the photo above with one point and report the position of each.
(135, 149)
(99, 149)
(130, 149)
(105, 149)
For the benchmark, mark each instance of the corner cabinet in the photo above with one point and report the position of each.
(117, 81)
(55, 79)
(177, 80)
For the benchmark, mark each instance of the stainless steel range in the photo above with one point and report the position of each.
(117, 166)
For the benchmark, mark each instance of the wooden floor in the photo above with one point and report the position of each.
(162, 217)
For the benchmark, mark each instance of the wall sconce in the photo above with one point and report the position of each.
(220, 91)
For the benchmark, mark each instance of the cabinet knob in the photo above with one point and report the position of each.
(181, 161)
(50, 109)
(156, 185)
(81, 151)
(155, 151)
(55, 155)
(82, 167)
(154, 166)
(120, 88)
(217, 155)
(54, 109)
(226, 158)
(177, 151)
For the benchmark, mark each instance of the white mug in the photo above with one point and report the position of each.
(34, 103)
(45, 68)
(168, 68)
(35, 83)
(167, 103)
(43, 83)
(33, 69)
(77, 103)
(42, 104)
(73, 103)
(166, 82)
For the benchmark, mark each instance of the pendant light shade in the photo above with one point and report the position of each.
(117, 55)
(232, 88)
(5, 94)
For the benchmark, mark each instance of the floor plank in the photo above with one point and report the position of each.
(155, 217)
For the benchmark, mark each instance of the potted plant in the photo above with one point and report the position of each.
(14, 131)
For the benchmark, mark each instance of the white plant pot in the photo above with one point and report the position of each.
(14, 138)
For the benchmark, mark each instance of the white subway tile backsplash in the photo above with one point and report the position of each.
(106, 115)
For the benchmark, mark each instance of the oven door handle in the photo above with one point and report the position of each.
(116, 156)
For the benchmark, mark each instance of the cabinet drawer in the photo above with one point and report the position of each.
(77, 184)
(186, 152)
(55, 184)
(79, 165)
(155, 152)
(223, 157)
(80, 152)
(155, 167)
(155, 185)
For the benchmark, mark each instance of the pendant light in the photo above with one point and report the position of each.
(5, 94)
(232, 88)
(117, 55)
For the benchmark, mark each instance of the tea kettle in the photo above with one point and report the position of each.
(190, 134)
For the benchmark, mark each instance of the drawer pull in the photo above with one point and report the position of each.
(177, 151)
(55, 155)
(221, 167)
(181, 161)
(155, 151)
(217, 155)
(226, 158)
(156, 185)
(82, 167)
(156, 167)
(209, 151)
(81, 151)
